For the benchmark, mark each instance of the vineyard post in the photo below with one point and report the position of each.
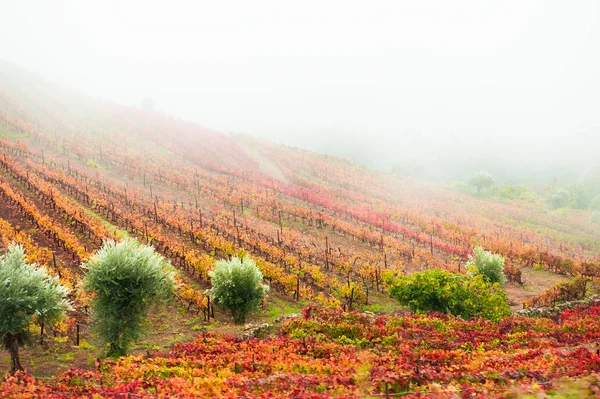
(326, 253)
(77, 335)
(351, 299)
(55, 265)
(431, 243)
(298, 289)
(242, 205)
(208, 307)
(280, 224)
(42, 334)
(431, 237)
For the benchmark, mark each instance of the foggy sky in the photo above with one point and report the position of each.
(377, 81)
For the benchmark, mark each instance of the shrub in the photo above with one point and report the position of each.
(237, 286)
(26, 291)
(437, 290)
(487, 264)
(125, 278)
(510, 192)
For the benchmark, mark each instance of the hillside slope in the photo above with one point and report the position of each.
(76, 171)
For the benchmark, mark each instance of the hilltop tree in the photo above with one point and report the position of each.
(28, 293)
(481, 181)
(237, 286)
(125, 278)
(559, 198)
(595, 203)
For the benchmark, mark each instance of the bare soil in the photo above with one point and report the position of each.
(534, 283)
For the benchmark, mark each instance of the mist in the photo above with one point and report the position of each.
(442, 88)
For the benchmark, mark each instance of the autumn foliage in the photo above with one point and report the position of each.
(333, 354)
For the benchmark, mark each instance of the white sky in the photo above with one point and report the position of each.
(313, 72)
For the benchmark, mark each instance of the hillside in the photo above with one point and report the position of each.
(76, 171)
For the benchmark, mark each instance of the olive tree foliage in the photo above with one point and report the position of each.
(595, 203)
(482, 180)
(28, 294)
(125, 278)
(237, 286)
(489, 265)
(559, 198)
(437, 290)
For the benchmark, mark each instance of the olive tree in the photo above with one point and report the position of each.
(124, 279)
(489, 265)
(237, 286)
(559, 198)
(27, 294)
(482, 180)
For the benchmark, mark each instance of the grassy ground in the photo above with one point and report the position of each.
(168, 324)
(10, 135)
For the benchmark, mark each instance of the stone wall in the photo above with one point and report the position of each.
(554, 311)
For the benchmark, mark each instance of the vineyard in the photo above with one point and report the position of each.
(76, 172)
(333, 354)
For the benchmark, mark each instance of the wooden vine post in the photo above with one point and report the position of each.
(327, 253)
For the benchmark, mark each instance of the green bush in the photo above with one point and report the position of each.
(437, 290)
(237, 286)
(487, 264)
(511, 192)
(125, 278)
(27, 294)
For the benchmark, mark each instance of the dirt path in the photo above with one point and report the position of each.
(265, 165)
(534, 283)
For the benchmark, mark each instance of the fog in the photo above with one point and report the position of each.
(447, 87)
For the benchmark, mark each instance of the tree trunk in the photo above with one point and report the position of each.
(12, 345)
